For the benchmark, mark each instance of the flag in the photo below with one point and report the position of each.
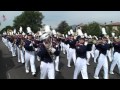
(4, 18)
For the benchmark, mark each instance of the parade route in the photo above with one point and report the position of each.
(11, 69)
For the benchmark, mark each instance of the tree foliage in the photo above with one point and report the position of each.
(63, 27)
(32, 19)
(92, 29)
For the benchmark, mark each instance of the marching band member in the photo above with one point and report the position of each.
(102, 60)
(97, 46)
(63, 45)
(81, 63)
(36, 43)
(47, 64)
(11, 45)
(22, 50)
(89, 51)
(57, 53)
(18, 47)
(71, 52)
(29, 55)
(66, 45)
(109, 53)
(13, 48)
(116, 55)
(44, 51)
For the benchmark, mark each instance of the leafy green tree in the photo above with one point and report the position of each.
(32, 19)
(109, 30)
(63, 27)
(92, 29)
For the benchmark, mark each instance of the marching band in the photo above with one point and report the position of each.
(48, 45)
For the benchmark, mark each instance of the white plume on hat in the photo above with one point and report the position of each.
(82, 36)
(119, 36)
(40, 33)
(14, 31)
(29, 30)
(20, 30)
(23, 33)
(85, 34)
(4, 33)
(104, 31)
(46, 33)
(113, 34)
(10, 33)
(66, 35)
(47, 28)
(54, 32)
(115, 37)
(90, 36)
(79, 31)
(71, 31)
(96, 37)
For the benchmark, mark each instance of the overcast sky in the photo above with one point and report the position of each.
(53, 18)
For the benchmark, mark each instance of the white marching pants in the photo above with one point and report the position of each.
(18, 54)
(22, 57)
(13, 50)
(80, 66)
(72, 55)
(38, 58)
(112, 52)
(115, 61)
(57, 63)
(62, 47)
(93, 50)
(89, 54)
(30, 57)
(96, 55)
(4, 41)
(47, 69)
(9, 46)
(109, 54)
(102, 61)
(67, 50)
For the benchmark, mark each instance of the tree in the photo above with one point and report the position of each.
(92, 29)
(63, 27)
(32, 19)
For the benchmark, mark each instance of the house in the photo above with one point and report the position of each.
(115, 26)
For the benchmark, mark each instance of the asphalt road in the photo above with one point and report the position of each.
(11, 69)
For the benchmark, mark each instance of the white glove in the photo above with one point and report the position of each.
(19, 46)
(56, 45)
(23, 49)
(36, 49)
(31, 44)
(53, 50)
